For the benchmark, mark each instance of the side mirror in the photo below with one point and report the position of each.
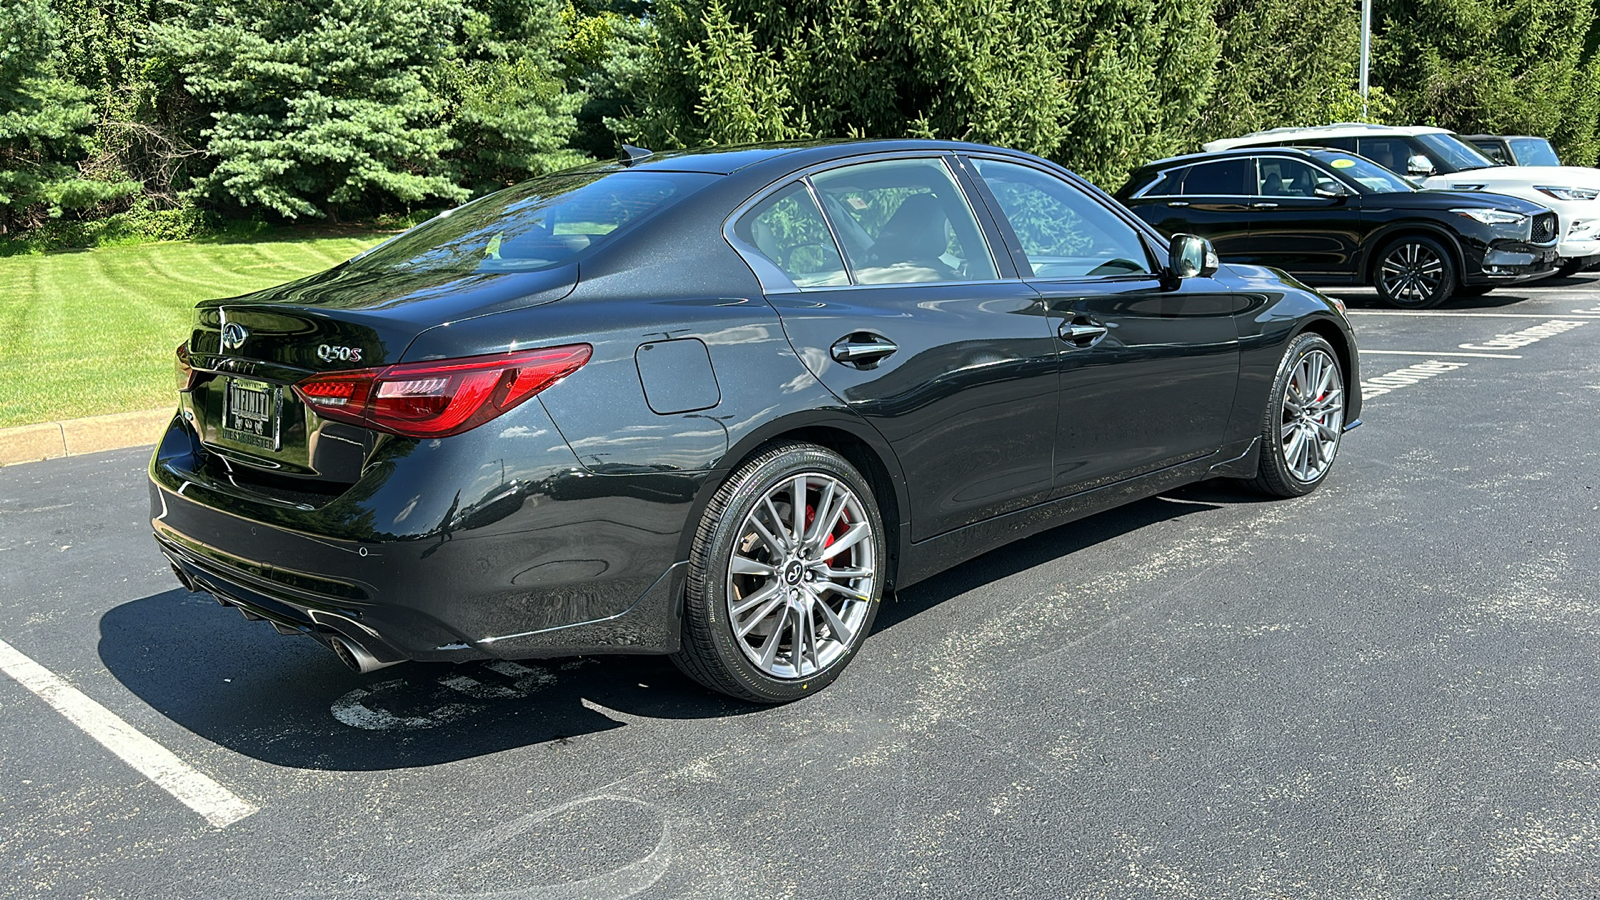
(1419, 165)
(1327, 187)
(1189, 255)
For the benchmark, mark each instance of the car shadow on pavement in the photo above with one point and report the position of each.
(288, 701)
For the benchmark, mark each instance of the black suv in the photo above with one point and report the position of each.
(1329, 217)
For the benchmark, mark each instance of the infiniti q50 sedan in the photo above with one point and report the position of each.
(718, 404)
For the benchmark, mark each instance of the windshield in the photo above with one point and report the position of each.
(1457, 155)
(1534, 152)
(537, 224)
(1368, 174)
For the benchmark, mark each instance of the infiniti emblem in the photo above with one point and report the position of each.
(793, 572)
(234, 336)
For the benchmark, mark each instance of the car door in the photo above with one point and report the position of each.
(1209, 199)
(1149, 367)
(902, 310)
(1293, 229)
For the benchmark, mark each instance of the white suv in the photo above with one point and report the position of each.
(1443, 161)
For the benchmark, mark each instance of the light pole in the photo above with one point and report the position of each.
(1366, 49)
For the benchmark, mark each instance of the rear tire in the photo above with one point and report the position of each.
(778, 599)
(1304, 420)
(1414, 272)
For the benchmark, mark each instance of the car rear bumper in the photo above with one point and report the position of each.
(534, 568)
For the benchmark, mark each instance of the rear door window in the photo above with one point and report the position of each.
(1224, 178)
(904, 221)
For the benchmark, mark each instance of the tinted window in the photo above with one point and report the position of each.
(1227, 178)
(1282, 177)
(1389, 152)
(1169, 184)
(1534, 152)
(1347, 144)
(1493, 151)
(1064, 232)
(789, 230)
(904, 221)
(535, 225)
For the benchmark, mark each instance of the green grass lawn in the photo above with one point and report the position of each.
(93, 332)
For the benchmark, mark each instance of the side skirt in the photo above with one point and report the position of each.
(934, 555)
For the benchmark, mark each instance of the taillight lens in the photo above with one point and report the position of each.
(183, 370)
(440, 397)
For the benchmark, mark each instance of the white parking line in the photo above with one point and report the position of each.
(220, 806)
(1432, 314)
(1432, 353)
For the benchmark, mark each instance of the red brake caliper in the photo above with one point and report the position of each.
(843, 526)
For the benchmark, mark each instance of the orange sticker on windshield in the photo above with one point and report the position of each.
(1342, 163)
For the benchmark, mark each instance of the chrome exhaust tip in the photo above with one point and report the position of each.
(355, 657)
(185, 580)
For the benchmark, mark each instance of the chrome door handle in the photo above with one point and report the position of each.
(1264, 205)
(862, 349)
(1080, 334)
(1177, 203)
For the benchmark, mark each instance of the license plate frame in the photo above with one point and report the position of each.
(252, 413)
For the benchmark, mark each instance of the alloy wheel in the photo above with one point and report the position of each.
(801, 577)
(1313, 416)
(1412, 273)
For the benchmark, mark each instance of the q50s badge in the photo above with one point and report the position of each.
(329, 353)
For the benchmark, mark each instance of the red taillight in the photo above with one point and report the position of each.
(441, 397)
(184, 371)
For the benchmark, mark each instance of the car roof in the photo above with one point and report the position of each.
(1502, 137)
(1207, 156)
(727, 160)
(1341, 129)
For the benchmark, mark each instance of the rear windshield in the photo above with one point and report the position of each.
(537, 224)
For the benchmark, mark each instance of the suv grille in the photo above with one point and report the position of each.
(1544, 228)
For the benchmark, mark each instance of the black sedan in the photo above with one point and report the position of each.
(717, 405)
(1329, 217)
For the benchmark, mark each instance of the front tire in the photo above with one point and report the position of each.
(1415, 272)
(1304, 420)
(785, 576)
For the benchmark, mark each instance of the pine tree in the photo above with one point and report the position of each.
(511, 114)
(1101, 85)
(321, 108)
(1496, 66)
(44, 120)
(1283, 62)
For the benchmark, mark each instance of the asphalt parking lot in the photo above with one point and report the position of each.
(1390, 688)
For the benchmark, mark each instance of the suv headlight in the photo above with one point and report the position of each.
(1492, 216)
(1568, 193)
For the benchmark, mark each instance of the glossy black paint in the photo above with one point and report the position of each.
(1335, 240)
(564, 525)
